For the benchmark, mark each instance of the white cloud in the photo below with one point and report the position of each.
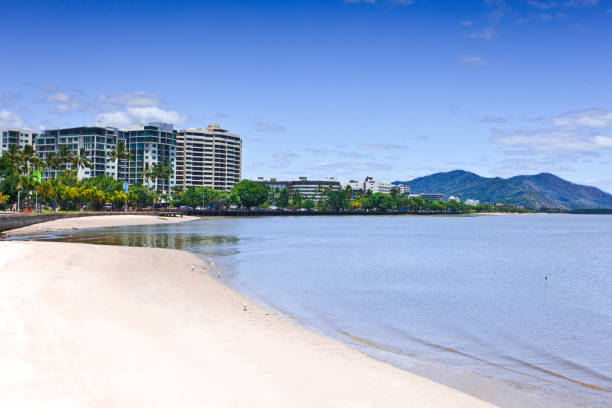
(486, 34)
(64, 102)
(57, 97)
(139, 115)
(472, 60)
(153, 113)
(552, 140)
(115, 119)
(590, 118)
(268, 127)
(9, 119)
(138, 98)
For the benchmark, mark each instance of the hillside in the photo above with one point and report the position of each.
(542, 190)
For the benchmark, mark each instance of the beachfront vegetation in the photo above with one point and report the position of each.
(20, 171)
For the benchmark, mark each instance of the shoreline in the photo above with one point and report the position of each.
(107, 314)
(95, 222)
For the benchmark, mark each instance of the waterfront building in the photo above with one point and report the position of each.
(453, 198)
(309, 189)
(469, 201)
(430, 197)
(17, 137)
(149, 145)
(403, 188)
(210, 157)
(97, 141)
(370, 184)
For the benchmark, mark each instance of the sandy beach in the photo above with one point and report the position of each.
(102, 326)
(96, 222)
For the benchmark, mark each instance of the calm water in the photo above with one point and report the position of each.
(514, 309)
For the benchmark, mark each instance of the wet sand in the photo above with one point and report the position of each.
(98, 221)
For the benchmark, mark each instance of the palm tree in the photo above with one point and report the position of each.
(81, 160)
(147, 174)
(163, 170)
(65, 155)
(118, 154)
(28, 157)
(14, 157)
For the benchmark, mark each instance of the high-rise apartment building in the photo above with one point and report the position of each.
(17, 137)
(149, 145)
(97, 142)
(210, 157)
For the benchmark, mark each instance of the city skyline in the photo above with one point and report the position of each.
(390, 89)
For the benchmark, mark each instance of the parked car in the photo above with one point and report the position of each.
(185, 208)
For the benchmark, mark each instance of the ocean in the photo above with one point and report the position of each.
(514, 309)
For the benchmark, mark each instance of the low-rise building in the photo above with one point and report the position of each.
(376, 186)
(430, 197)
(469, 201)
(403, 188)
(309, 189)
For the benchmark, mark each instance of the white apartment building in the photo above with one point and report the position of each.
(210, 157)
(149, 145)
(370, 184)
(97, 141)
(403, 188)
(17, 137)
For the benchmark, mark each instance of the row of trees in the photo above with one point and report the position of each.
(20, 170)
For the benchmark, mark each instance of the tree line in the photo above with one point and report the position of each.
(20, 170)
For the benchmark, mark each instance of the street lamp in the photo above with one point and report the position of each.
(19, 188)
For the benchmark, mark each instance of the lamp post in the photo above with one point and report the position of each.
(19, 188)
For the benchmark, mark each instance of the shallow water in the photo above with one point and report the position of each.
(513, 309)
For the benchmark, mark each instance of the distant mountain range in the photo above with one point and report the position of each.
(542, 190)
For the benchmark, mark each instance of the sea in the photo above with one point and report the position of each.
(513, 309)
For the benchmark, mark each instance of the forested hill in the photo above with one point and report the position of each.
(542, 190)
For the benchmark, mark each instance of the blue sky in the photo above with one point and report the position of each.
(387, 88)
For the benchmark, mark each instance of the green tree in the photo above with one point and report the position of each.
(81, 160)
(282, 201)
(336, 200)
(296, 198)
(309, 205)
(163, 171)
(251, 194)
(119, 154)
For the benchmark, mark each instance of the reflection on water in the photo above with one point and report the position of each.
(214, 245)
(448, 298)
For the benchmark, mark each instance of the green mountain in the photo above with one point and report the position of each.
(542, 190)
